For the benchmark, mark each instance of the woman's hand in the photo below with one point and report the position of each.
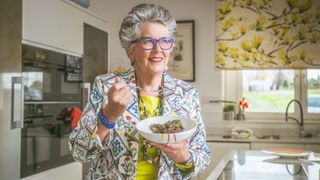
(178, 152)
(119, 97)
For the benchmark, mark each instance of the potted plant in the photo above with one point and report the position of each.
(228, 111)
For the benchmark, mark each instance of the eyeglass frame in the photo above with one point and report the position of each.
(155, 41)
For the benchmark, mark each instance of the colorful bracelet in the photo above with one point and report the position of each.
(104, 121)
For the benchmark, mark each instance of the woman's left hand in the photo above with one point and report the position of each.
(178, 152)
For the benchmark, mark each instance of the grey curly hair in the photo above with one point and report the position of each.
(131, 25)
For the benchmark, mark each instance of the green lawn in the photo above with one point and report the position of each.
(314, 91)
(269, 101)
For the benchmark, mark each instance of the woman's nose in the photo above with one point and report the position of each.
(156, 47)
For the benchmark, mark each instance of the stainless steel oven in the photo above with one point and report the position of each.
(52, 88)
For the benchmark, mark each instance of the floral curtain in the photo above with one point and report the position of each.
(267, 34)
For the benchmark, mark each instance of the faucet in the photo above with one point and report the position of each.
(301, 124)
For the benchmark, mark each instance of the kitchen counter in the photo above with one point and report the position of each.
(244, 165)
(219, 138)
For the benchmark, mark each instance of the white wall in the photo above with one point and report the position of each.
(208, 80)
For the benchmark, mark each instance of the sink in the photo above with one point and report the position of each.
(257, 137)
(268, 137)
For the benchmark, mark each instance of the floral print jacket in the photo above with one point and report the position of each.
(116, 157)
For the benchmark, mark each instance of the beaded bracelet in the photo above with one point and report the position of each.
(105, 122)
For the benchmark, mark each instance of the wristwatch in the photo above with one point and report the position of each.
(104, 121)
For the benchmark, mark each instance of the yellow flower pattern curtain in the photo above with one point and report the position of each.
(267, 34)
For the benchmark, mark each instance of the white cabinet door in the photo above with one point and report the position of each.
(52, 23)
(260, 146)
(57, 24)
(218, 151)
(312, 147)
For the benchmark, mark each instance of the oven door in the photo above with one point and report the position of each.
(67, 90)
(46, 82)
(39, 82)
(44, 141)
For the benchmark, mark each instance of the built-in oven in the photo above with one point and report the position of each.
(52, 90)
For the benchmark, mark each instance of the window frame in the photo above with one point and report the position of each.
(233, 82)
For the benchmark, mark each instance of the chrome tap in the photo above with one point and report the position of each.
(301, 124)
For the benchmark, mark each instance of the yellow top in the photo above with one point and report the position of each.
(145, 170)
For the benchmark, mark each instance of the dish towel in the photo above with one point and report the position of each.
(75, 115)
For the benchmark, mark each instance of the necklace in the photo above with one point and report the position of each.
(143, 114)
(159, 90)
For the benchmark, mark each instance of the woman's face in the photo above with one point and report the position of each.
(153, 61)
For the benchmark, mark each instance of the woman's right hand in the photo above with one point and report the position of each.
(119, 97)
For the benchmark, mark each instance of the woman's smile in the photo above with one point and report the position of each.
(155, 59)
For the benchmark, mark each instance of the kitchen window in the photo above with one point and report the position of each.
(269, 91)
(313, 91)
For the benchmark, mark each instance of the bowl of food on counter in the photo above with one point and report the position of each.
(241, 133)
(167, 129)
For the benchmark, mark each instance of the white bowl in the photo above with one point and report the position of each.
(241, 133)
(189, 125)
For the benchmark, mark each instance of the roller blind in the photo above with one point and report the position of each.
(267, 34)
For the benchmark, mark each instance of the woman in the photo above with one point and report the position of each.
(106, 133)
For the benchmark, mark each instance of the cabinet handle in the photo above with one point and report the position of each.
(17, 98)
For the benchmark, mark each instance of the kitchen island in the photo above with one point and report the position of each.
(247, 165)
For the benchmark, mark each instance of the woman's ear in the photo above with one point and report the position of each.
(130, 54)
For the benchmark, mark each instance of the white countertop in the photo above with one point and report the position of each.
(243, 165)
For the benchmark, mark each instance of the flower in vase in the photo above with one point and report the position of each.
(243, 104)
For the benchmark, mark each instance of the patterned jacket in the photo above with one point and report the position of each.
(116, 157)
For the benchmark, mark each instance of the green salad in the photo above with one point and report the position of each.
(173, 126)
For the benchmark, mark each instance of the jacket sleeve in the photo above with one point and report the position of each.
(84, 144)
(197, 145)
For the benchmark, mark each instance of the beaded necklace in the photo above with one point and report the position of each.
(143, 114)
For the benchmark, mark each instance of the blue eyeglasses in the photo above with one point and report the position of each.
(148, 43)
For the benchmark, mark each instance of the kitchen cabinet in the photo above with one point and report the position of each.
(218, 151)
(312, 147)
(10, 88)
(57, 24)
(260, 146)
(95, 53)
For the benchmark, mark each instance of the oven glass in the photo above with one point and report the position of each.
(51, 97)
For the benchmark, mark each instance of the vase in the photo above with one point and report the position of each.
(228, 115)
(240, 115)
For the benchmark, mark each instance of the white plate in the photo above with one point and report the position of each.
(287, 153)
(287, 161)
(189, 125)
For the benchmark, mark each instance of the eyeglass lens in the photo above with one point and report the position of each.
(164, 43)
